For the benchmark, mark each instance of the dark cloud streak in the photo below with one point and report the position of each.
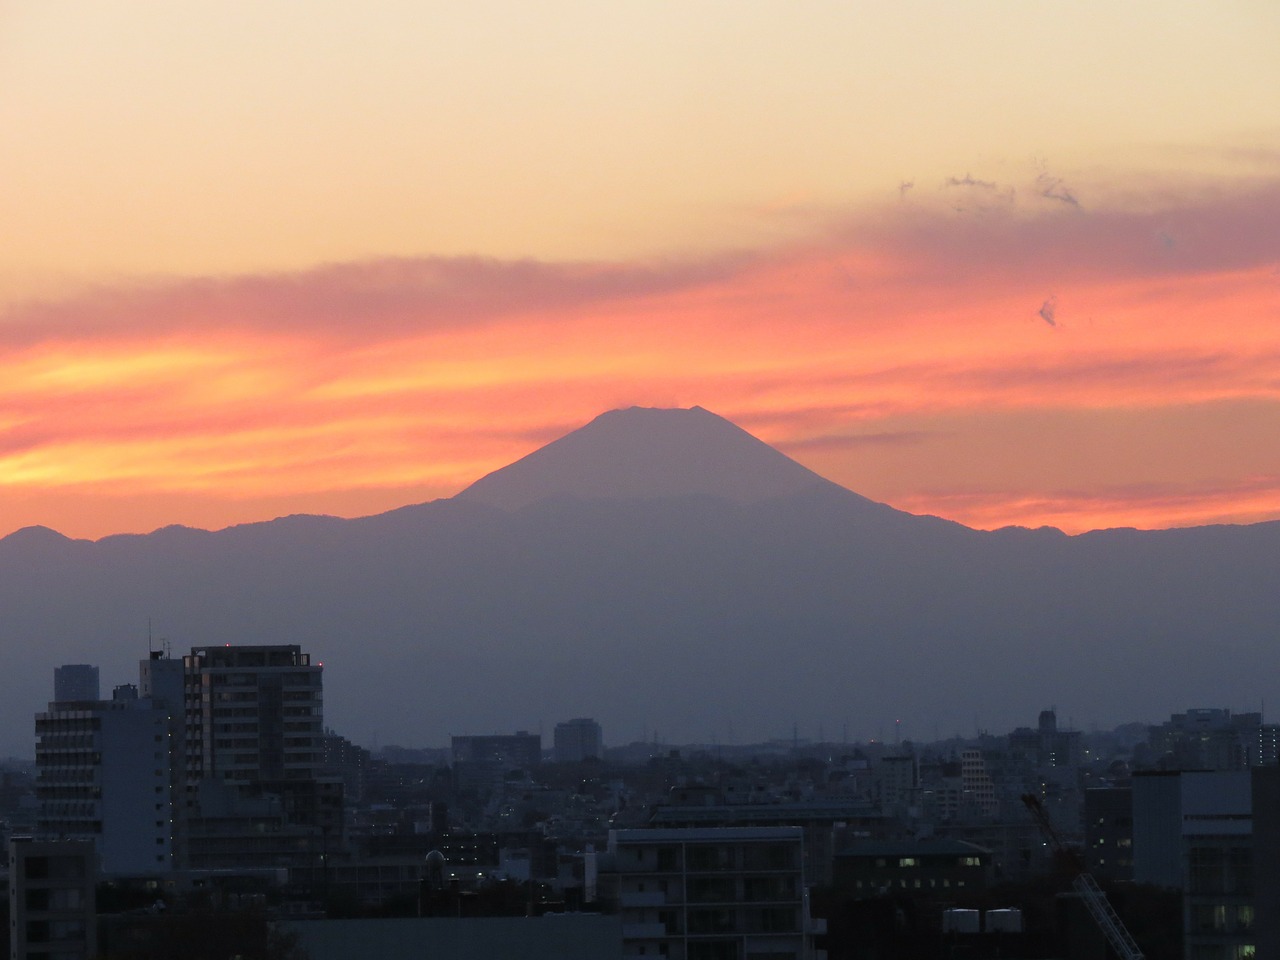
(1051, 188)
(968, 181)
(1048, 311)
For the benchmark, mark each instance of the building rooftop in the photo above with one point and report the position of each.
(695, 834)
(914, 848)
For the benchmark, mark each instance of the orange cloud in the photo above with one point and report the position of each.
(891, 336)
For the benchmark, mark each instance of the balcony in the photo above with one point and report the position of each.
(643, 931)
(647, 898)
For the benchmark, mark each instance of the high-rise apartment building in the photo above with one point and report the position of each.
(254, 759)
(979, 788)
(253, 714)
(103, 773)
(213, 760)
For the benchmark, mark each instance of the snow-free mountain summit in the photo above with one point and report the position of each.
(644, 453)
(665, 571)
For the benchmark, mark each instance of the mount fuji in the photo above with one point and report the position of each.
(674, 577)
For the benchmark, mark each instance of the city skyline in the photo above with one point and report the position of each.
(1006, 264)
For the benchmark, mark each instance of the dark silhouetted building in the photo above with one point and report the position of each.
(51, 899)
(75, 682)
(577, 740)
(710, 893)
(256, 792)
(941, 868)
(484, 761)
(1209, 738)
(1108, 832)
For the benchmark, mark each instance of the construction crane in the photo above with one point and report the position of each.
(1085, 886)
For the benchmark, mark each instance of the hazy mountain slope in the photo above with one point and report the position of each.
(695, 615)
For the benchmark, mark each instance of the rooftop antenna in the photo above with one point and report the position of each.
(150, 649)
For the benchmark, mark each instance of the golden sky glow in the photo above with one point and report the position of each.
(1002, 262)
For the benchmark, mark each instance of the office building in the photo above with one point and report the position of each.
(895, 783)
(577, 740)
(483, 762)
(1108, 832)
(75, 682)
(1210, 738)
(1046, 745)
(931, 868)
(1193, 831)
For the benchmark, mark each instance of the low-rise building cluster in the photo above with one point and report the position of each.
(213, 784)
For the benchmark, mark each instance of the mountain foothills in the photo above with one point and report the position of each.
(676, 578)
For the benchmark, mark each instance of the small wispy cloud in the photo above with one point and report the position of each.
(1048, 311)
(905, 187)
(968, 180)
(1051, 188)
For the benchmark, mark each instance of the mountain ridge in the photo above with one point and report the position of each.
(694, 611)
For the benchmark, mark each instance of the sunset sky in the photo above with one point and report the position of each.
(1007, 263)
